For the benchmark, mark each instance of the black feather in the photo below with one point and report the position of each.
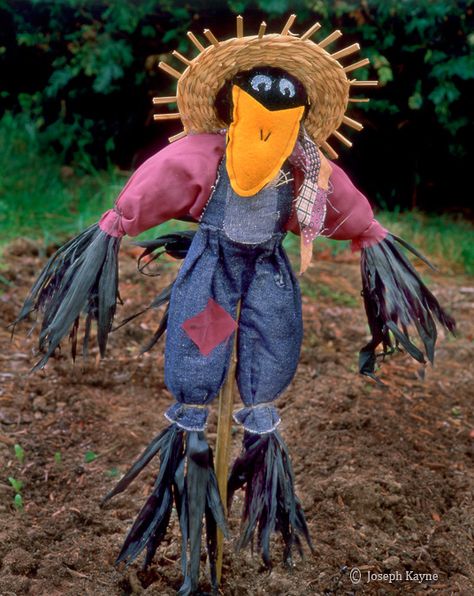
(395, 298)
(215, 517)
(211, 545)
(196, 485)
(176, 244)
(264, 469)
(181, 500)
(158, 443)
(150, 526)
(162, 298)
(81, 277)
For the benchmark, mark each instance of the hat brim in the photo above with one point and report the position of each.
(323, 77)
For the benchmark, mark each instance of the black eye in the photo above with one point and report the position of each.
(287, 88)
(261, 83)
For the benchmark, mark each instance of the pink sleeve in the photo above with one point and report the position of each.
(175, 182)
(349, 214)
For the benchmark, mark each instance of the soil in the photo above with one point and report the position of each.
(385, 475)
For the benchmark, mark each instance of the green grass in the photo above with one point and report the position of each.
(292, 245)
(322, 290)
(41, 200)
(441, 237)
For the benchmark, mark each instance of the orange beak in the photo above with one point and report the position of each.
(258, 142)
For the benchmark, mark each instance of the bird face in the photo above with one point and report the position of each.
(266, 108)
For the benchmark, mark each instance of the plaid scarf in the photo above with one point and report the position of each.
(310, 204)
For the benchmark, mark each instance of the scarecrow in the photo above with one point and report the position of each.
(249, 166)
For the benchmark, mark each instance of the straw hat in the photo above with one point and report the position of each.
(323, 76)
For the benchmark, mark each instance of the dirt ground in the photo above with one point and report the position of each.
(385, 475)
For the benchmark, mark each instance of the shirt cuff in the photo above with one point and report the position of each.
(111, 223)
(372, 235)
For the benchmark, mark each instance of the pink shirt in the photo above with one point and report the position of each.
(178, 181)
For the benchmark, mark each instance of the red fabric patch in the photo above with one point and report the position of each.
(210, 327)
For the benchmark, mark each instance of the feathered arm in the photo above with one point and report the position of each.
(82, 276)
(395, 297)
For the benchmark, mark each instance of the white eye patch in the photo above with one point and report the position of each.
(261, 80)
(287, 88)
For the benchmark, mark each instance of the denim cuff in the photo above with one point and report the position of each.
(188, 416)
(258, 419)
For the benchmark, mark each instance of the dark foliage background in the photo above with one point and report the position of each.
(82, 73)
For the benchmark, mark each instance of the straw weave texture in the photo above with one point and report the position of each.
(323, 77)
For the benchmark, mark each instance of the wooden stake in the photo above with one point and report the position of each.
(240, 26)
(342, 138)
(262, 29)
(171, 116)
(161, 100)
(183, 59)
(170, 70)
(178, 136)
(352, 67)
(195, 41)
(224, 426)
(329, 150)
(211, 37)
(355, 47)
(288, 24)
(311, 30)
(330, 38)
(352, 123)
(359, 99)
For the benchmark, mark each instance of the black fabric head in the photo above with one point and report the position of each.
(273, 87)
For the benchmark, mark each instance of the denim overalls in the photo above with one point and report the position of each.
(237, 254)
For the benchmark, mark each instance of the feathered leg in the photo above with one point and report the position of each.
(186, 479)
(265, 472)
